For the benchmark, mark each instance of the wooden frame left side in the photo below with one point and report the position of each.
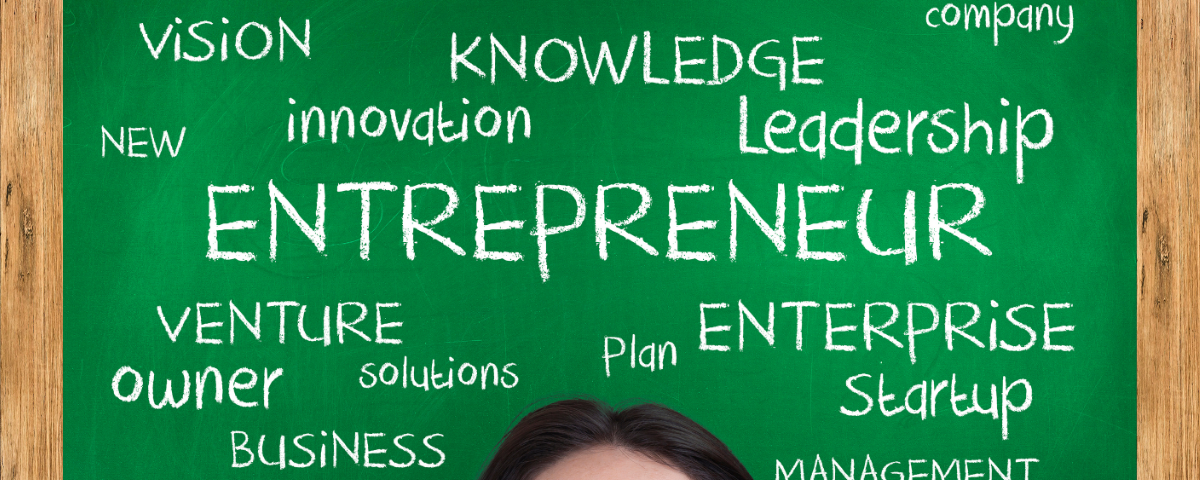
(31, 260)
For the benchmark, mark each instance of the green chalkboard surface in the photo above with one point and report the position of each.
(851, 239)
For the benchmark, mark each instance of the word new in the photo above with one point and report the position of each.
(127, 134)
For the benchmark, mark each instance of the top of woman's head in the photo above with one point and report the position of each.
(553, 432)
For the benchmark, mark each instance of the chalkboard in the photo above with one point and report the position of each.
(851, 239)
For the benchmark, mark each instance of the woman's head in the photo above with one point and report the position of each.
(578, 438)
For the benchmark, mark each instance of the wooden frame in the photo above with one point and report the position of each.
(31, 273)
(1168, 239)
(31, 168)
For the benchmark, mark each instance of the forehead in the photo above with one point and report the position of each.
(609, 463)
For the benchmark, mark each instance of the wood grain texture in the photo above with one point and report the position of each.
(1169, 239)
(31, 239)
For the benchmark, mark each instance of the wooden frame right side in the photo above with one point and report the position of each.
(1168, 258)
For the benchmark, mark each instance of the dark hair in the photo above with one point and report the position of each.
(555, 431)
